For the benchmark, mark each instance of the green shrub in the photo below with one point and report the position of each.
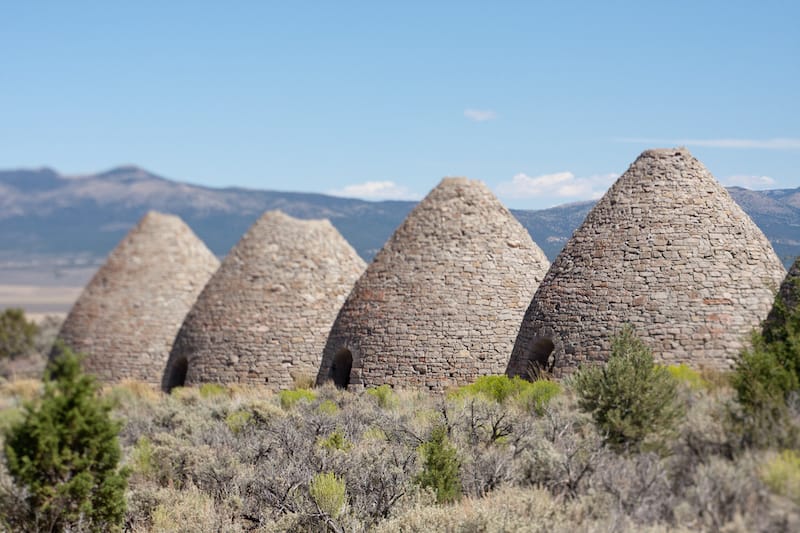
(630, 398)
(290, 397)
(335, 441)
(374, 433)
(328, 407)
(384, 395)
(497, 388)
(768, 373)
(440, 469)
(781, 331)
(329, 493)
(212, 390)
(237, 420)
(65, 454)
(688, 376)
(142, 457)
(782, 475)
(8, 417)
(762, 383)
(17, 335)
(535, 396)
(532, 395)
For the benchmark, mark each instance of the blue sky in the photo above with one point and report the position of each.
(544, 101)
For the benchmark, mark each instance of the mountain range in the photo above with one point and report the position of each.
(46, 214)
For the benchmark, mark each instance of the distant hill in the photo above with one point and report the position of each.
(43, 213)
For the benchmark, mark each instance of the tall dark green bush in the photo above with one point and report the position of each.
(65, 453)
(633, 401)
(761, 379)
(440, 469)
(781, 331)
(17, 335)
(767, 374)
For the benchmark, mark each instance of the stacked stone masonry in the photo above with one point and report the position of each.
(441, 303)
(127, 316)
(666, 250)
(264, 316)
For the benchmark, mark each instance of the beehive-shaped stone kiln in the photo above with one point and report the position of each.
(264, 316)
(666, 250)
(442, 301)
(127, 316)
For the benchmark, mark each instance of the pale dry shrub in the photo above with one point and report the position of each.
(249, 392)
(130, 388)
(379, 475)
(486, 435)
(511, 510)
(286, 453)
(188, 511)
(303, 378)
(706, 429)
(522, 470)
(722, 491)
(18, 391)
(638, 486)
(560, 450)
(503, 510)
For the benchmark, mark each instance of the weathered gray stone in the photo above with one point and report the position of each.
(666, 250)
(442, 301)
(265, 314)
(127, 316)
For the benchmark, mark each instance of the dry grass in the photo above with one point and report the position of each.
(18, 391)
(132, 388)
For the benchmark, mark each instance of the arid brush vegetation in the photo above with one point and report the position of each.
(630, 447)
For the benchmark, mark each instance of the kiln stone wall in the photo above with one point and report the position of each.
(265, 315)
(666, 250)
(442, 301)
(127, 316)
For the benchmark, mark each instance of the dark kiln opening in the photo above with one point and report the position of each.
(340, 370)
(539, 357)
(177, 374)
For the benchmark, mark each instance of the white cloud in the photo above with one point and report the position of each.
(376, 190)
(480, 115)
(750, 182)
(559, 185)
(785, 143)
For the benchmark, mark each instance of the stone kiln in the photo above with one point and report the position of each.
(442, 302)
(264, 316)
(666, 250)
(127, 316)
